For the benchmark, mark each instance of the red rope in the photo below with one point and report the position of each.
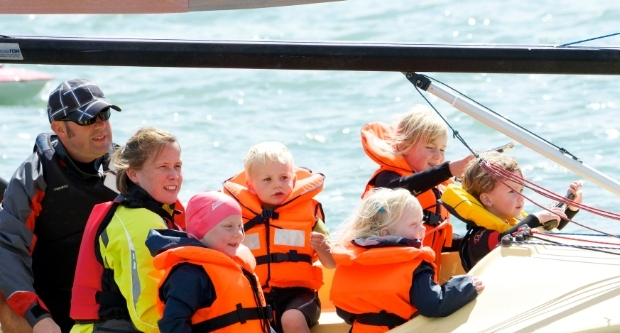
(548, 234)
(502, 175)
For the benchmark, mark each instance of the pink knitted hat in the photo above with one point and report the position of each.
(206, 209)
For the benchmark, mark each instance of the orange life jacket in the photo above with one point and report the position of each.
(239, 306)
(373, 284)
(375, 141)
(280, 238)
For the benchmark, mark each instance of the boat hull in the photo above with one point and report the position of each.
(19, 91)
(17, 84)
(331, 323)
(539, 288)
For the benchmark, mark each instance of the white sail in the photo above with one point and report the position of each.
(138, 6)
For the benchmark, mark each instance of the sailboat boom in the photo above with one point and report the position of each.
(531, 141)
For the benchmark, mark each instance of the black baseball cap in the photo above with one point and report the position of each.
(77, 99)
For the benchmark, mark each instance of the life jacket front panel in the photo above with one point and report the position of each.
(58, 222)
(233, 289)
(280, 242)
(369, 281)
(97, 292)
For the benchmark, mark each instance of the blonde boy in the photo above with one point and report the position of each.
(285, 231)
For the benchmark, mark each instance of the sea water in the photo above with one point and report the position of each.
(217, 114)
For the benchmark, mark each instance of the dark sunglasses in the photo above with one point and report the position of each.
(104, 115)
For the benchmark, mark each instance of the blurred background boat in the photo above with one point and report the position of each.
(19, 84)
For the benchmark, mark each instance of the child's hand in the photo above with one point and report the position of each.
(458, 167)
(478, 284)
(544, 216)
(575, 189)
(319, 243)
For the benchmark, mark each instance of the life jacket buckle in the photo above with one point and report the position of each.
(292, 256)
(431, 219)
(240, 313)
(269, 214)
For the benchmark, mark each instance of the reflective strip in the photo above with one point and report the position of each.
(252, 241)
(290, 237)
(135, 277)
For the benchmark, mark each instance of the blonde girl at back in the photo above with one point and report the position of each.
(384, 275)
(411, 155)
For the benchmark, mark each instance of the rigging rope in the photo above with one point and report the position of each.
(455, 133)
(583, 247)
(503, 176)
(563, 150)
(500, 174)
(589, 39)
(563, 236)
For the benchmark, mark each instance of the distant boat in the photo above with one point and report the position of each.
(18, 83)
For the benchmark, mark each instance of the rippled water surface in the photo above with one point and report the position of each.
(217, 114)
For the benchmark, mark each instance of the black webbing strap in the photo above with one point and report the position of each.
(263, 217)
(109, 298)
(37, 310)
(240, 315)
(430, 218)
(382, 318)
(291, 256)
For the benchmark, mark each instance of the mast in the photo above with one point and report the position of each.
(502, 125)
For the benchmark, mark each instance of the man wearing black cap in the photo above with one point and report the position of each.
(46, 206)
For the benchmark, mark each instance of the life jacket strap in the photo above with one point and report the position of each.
(382, 318)
(110, 298)
(261, 218)
(291, 256)
(240, 315)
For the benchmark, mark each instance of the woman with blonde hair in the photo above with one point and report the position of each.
(115, 285)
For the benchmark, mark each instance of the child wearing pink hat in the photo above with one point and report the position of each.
(209, 281)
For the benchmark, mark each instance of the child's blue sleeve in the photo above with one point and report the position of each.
(187, 289)
(433, 300)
